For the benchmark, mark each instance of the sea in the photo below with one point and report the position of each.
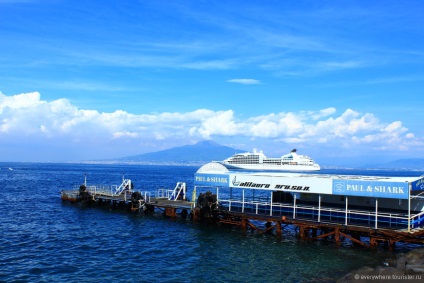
(43, 239)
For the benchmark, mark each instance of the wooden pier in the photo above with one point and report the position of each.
(306, 230)
(171, 208)
(368, 229)
(171, 202)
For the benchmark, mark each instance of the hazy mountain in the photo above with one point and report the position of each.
(404, 164)
(199, 153)
(207, 151)
(415, 164)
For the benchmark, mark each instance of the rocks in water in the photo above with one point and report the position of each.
(415, 260)
(401, 263)
(408, 267)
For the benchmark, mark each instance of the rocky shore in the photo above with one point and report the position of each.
(407, 267)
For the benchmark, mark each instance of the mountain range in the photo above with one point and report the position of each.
(404, 164)
(197, 154)
(207, 151)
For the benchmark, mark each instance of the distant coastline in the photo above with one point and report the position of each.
(199, 163)
(207, 151)
(115, 162)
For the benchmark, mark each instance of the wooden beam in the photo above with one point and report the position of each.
(253, 226)
(278, 226)
(354, 240)
(323, 235)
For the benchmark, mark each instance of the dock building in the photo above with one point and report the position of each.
(380, 208)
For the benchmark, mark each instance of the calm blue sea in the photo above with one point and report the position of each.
(45, 240)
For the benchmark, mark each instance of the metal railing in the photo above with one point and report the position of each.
(111, 191)
(164, 193)
(178, 193)
(379, 219)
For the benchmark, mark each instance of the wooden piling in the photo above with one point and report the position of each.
(366, 237)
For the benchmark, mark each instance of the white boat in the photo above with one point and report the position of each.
(258, 161)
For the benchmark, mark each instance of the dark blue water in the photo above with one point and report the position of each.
(45, 240)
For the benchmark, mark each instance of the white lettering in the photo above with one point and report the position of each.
(355, 188)
(388, 190)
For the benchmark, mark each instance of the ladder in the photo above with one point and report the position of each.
(179, 192)
(125, 185)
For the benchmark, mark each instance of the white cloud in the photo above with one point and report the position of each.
(19, 101)
(211, 65)
(322, 113)
(28, 119)
(124, 134)
(219, 123)
(245, 81)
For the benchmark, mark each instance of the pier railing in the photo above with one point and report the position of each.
(112, 191)
(164, 193)
(417, 219)
(374, 219)
(102, 190)
(178, 193)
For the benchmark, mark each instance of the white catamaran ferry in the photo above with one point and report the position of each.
(258, 161)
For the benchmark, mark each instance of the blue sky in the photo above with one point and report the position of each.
(341, 81)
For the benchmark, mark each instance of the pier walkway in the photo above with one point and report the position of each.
(251, 202)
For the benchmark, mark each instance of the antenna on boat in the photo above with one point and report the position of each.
(85, 179)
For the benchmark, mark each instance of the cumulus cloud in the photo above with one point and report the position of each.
(245, 81)
(27, 116)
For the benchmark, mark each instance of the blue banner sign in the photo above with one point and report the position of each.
(418, 185)
(378, 189)
(211, 180)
